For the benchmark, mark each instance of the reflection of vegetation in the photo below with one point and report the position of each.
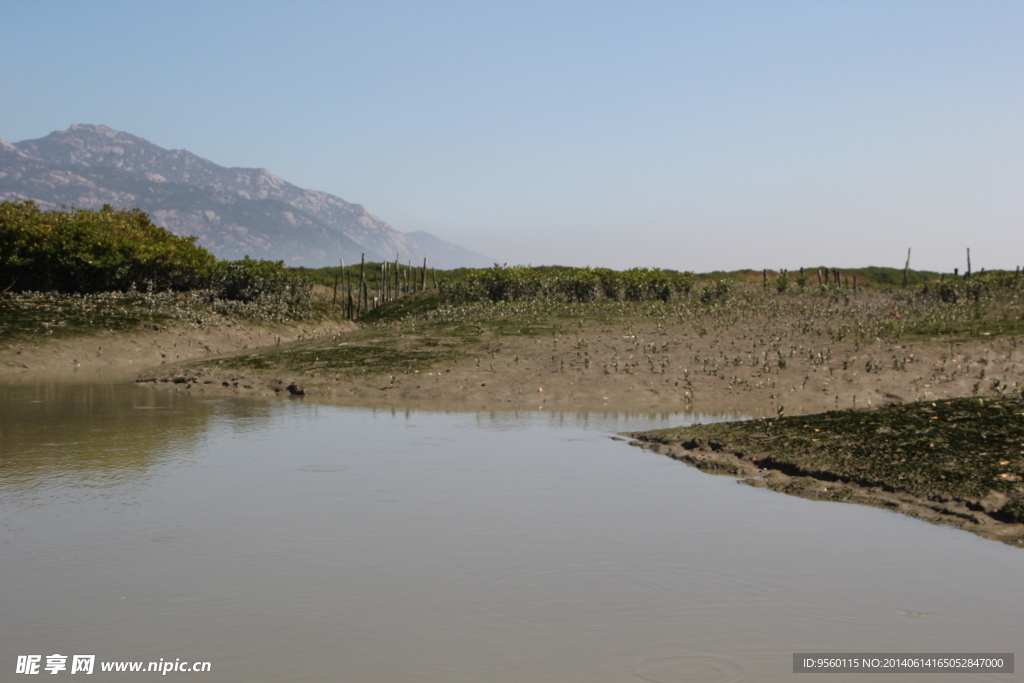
(86, 435)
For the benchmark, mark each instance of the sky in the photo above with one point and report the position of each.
(710, 135)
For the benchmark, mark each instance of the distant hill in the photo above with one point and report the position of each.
(232, 211)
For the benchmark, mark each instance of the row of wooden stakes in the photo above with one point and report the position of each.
(390, 282)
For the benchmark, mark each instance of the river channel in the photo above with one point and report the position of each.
(288, 541)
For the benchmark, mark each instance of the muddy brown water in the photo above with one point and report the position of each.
(287, 541)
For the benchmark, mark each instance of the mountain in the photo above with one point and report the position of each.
(232, 211)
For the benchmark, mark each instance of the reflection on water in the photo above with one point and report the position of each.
(288, 541)
(81, 439)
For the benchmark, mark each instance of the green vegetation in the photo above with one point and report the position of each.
(55, 316)
(88, 252)
(813, 276)
(68, 272)
(33, 316)
(78, 255)
(580, 285)
(985, 304)
(563, 284)
(411, 307)
(362, 352)
(85, 251)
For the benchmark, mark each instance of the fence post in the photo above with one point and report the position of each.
(348, 290)
(334, 299)
(363, 293)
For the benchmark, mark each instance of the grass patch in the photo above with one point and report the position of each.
(42, 317)
(34, 317)
(371, 351)
(411, 306)
(346, 360)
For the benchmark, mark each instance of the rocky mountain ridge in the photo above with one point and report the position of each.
(232, 211)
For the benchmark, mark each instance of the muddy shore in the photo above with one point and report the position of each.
(124, 355)
(746, 371)
(956, 462)
(744, 368)
(764, 362)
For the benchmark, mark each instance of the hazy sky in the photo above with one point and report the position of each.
(690, 135)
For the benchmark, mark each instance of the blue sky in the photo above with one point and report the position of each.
(690, 135)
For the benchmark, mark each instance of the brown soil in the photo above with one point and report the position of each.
(616, 368)
(123, 355)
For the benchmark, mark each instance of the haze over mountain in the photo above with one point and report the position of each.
(232, 211)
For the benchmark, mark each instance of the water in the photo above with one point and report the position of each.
(287, 541)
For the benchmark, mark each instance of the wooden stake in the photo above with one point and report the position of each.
(363, 292)
(906, 269)
(423, 286)
(348, 290)
(334, 299)
(968, 273)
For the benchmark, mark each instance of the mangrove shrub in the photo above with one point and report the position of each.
(84, 251)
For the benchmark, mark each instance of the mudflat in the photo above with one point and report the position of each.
(958, 462)
(758, 354)
(118, 336)
(747, 357)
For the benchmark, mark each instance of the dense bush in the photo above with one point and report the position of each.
(575, 285)
(715, 290)
(254, 286)
(975, 288)
(579, 284)
(84, 251)
(250, 280)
